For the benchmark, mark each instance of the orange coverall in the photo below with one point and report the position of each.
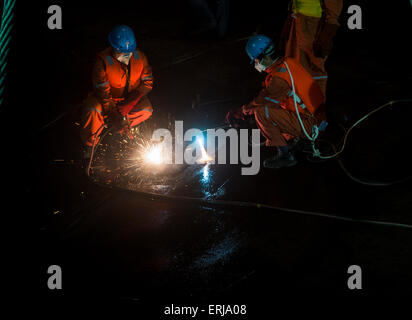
(308, 39)
(274, 107)
(109, 83)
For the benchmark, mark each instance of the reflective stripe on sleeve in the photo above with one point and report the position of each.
(110, 60)
(94, 109)
(147, 78)
(102, 84)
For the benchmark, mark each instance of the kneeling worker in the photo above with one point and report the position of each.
(274, 107)
(122, 78)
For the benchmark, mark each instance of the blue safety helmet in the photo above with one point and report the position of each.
(259, 45)
(122, 39)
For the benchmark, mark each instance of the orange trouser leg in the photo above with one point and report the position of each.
(275, 123)
(141, 112)
(92, 121)
(298, 36)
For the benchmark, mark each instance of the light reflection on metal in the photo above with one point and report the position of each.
(205, 178)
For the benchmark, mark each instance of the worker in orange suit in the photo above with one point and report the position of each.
(308, 33)
(122, 78)
(290, 102)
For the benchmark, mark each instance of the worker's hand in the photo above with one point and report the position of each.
(108, 106)
(248, 110)
(117, 121)
(234, 116)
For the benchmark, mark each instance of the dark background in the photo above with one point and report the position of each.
(59, 64)
(107, 256)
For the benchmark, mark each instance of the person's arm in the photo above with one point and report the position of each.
(101, 84)
(276, 91)
(322, 45)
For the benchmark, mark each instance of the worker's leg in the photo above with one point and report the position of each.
(308, 28)
(92, 121)
(297, 39)
(288, 43)
(269, 129)
(141, 112)
(275, 123)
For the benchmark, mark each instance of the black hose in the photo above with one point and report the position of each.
(95, 147)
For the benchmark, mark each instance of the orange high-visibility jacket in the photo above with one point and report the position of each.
(308, 93)
(109, 76)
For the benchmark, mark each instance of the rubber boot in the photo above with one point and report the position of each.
(283, 159)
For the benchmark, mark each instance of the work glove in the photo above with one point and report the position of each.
(322, 46)
(117, 121)
(108, 105)
(234, 117)
(126, 106)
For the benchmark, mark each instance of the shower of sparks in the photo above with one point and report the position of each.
(138, 163)
(130, 162)
(155, 154)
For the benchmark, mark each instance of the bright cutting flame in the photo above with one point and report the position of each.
(205, 157)
(155, 154)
